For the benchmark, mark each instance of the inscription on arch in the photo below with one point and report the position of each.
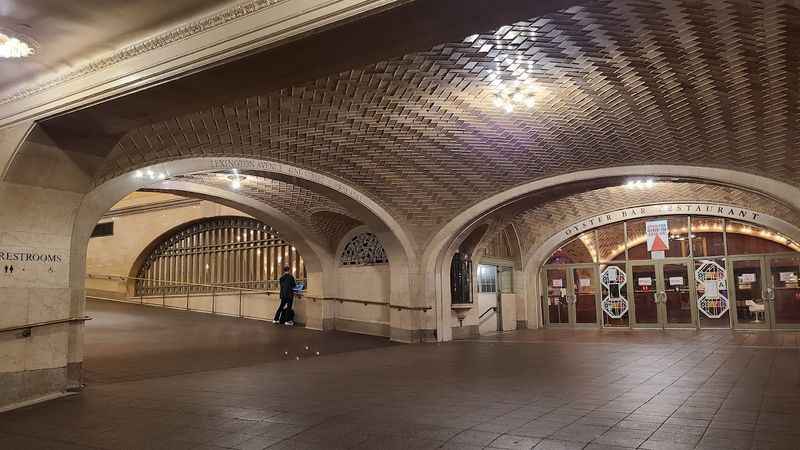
(705, 209)
(270, 166)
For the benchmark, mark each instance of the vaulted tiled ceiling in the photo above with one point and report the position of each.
(322, 216)
(545, 217)
(708, 82)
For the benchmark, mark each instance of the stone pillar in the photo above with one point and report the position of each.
(35, 237)
(40, 193)
(533, 300)
(521, 290)
(410, 325)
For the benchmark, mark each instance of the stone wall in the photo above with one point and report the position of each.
(133, 233)
(117, 255)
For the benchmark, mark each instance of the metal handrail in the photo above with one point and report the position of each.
(369, 302)
(493, 308)
(256, 291)
(44, 324)
(176, 283)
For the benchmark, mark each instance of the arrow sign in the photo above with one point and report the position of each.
(657, 235)
(659, 245)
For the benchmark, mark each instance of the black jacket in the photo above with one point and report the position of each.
(287, 286)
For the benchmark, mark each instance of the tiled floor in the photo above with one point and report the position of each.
(127, 342)
(528, 389)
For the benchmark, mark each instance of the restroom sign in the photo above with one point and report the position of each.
(657, 236)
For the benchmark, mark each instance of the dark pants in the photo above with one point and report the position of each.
(281, 313)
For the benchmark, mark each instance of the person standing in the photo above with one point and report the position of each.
(285, 314)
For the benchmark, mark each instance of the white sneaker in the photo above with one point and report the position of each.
(289, 323)
(274, 321)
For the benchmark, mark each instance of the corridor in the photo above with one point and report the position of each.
(126, 342)
(161, 379)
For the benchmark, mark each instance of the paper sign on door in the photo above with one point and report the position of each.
(558, 282)
(585, 282)
(676, 281)
(788, 276)
(747, 278)
(711, 289)
(645, 281)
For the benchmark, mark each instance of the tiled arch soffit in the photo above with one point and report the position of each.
(103, 196)
(315, 251)
(639, 82)
(322, 217)
(540, 222)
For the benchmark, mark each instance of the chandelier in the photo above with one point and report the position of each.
(14, 47)
(511, 80)
(516, 94)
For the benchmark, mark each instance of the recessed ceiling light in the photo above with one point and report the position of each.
(640, 184)
(13, 45)
(236, 180)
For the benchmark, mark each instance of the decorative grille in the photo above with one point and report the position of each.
(461, 279)
(224, 251)
(363, 249)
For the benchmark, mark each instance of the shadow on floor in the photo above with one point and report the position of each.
(125, 342)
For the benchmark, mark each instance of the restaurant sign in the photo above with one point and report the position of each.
(703, 209)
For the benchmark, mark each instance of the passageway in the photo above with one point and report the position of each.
(545, 389)
(133, 342)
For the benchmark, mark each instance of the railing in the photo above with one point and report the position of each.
(389, 305)
(191, 290)
(26, 329)
(493, 308)
(241, 291)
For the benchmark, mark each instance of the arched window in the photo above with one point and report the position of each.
(223, 251)
(363, 249)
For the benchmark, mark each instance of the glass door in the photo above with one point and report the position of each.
(675, 291)
(750, 304)
(584, 295)
(614, 304)
(643, 289)
(571, 298)
(557, 302)
(784, 292)
(711, 284)
(662, 295)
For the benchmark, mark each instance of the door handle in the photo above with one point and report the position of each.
(661, 297)
(770, 294)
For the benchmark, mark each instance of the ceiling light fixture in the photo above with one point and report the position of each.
(511, 72)
(236, 180)
(640, 184)
(516, 94)
(15, 46)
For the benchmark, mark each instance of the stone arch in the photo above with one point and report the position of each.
(302, 237)
(538, 256)
(397, 243)
(507, 232)
(435, 261)
(334, 225)
(165, 235)
(100, 199)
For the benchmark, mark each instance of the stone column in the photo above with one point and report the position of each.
(40, 193)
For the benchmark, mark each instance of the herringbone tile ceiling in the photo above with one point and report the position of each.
(546, 218)
(321, 216)
(701, 82)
